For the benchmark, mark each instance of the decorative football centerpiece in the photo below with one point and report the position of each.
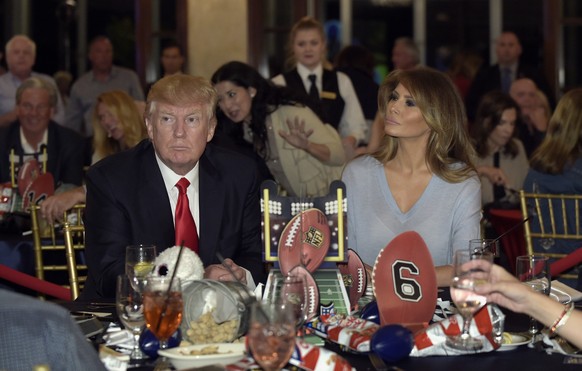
(305, 240)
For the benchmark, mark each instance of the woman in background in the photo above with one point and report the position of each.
(556, 168)
(422, 178)
(117, 125)
(501, 159)
(303, 154)
(331, 94)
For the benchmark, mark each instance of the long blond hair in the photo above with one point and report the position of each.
(443, 110)
(562, 145)
(124, 109)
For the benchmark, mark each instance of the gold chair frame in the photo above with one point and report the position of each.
(74, 240)
(558, 220)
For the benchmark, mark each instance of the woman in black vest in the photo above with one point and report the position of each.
(331, 93)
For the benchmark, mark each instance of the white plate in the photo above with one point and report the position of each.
(516, 340)
(227, 353)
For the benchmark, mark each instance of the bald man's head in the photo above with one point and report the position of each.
(523, 91)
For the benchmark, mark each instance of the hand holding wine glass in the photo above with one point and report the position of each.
(466, 277)
(129, 306)
(271, 336)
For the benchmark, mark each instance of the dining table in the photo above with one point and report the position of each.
(524, 357)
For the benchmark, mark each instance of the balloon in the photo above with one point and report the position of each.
(392, 342)
(149, 344)
(370, 312)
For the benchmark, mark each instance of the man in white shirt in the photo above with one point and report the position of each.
(20, 57)
(132, 197)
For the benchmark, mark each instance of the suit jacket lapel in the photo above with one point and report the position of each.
(211, 200)
(153, 189)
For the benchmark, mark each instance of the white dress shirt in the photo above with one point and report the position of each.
(352, 122)
(193, 192)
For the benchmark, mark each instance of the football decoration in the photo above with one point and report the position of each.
(304, 241)
(404, 281)
(392, 343)
(354, 275)
(28, 172)
(38, 190)
(312, 309)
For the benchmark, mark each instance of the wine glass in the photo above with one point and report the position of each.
(271, 335)
(163, 307)
(290, 289)
(139, 262)
(485, 244)
(534, 271)
(129, 304)
(466, 277)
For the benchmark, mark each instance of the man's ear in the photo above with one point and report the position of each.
(149, 128)
(211, 129)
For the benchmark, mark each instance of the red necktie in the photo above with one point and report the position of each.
(185, 226)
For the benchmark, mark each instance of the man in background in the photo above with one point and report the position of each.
(104, 76)
(20, 58)
(501, 75)
(36, 100)
(534, 113)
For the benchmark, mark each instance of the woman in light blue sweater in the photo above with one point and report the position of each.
(422, 178)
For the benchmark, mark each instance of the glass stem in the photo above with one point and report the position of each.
(466, 326)
(136, 351)
(533, 326)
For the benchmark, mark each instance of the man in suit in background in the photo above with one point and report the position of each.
(34, 130)
(500, 76)
(132, 197)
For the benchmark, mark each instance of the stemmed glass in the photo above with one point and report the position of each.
(465, 278)
(534, 271)
(292, 290)
(163, 307)
(271, 336)
(129, 304)
(485, 245)
(139, 263)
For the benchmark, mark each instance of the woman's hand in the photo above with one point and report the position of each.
(494, 174)
(297, 136)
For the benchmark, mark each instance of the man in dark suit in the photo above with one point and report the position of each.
(132, 197)
(500, 76)
(36, 101)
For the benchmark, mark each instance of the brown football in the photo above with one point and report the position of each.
(304, 241)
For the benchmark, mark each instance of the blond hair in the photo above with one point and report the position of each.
(182, 90)
(562, 144)
(125, 111)
(304, 24)
(442, 108)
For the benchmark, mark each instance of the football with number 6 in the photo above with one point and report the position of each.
(404, 281)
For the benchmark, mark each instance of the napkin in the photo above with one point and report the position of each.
(350, 332)
(486, 325)
(564, 293)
